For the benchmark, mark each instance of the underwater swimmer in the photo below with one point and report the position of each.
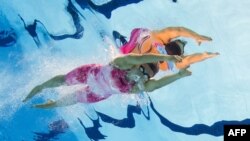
(122, 75)
(161, 42)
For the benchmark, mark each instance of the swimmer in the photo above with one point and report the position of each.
(122, 75)
(161, 42)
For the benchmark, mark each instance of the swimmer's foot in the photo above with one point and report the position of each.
(120, 39)
(33, 92)
(49, 104)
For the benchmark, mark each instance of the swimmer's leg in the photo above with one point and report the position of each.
(54, 82)
(37, 41)
(194, 58)
(64, 101)
(84, 95)
(49, 104)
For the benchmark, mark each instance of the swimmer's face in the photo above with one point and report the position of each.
(149, 71)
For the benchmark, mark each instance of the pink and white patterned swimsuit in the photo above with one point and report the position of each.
(101, 82)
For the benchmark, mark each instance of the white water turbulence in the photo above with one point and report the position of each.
(41, 39)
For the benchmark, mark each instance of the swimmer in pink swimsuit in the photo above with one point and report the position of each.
(102, 78)
(122, 76)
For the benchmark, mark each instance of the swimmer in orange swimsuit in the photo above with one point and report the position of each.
(161, 42)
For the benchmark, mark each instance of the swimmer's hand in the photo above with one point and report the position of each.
(211, 54)
(201, 38)
(184, 72)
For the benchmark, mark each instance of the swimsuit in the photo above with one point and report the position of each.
(101, 82)
(137, 38)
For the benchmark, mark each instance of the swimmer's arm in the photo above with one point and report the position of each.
(169, 33)
(130, 60)
(153, 84)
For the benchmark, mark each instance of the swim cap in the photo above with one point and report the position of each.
(173, 48)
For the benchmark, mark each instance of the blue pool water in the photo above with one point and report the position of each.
(40, 39)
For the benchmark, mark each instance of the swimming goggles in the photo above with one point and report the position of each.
(146, 75)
